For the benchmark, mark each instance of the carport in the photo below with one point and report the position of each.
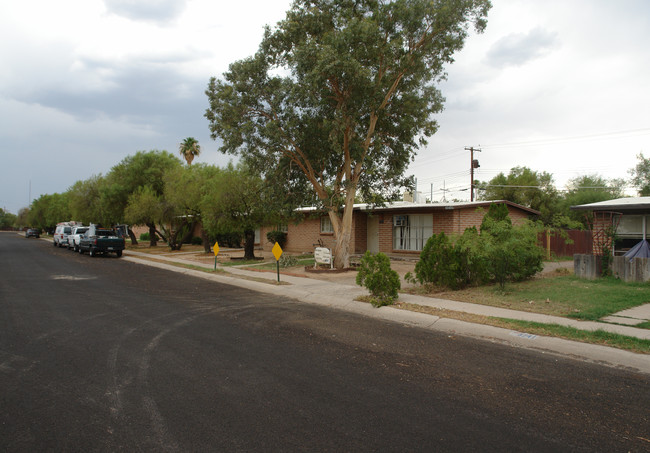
(626, 221)
(627, 217)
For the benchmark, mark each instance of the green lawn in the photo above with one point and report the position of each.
(566, 296)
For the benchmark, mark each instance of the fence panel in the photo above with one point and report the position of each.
(581, 242)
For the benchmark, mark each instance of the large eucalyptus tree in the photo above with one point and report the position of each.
(340, 95)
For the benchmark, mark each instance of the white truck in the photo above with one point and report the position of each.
(74, 236)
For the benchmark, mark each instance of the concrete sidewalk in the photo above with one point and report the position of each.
(341, 296)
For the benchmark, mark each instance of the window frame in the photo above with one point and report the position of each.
(411, 231)
(326, 226)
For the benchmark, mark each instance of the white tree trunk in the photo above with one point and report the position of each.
(343, 231)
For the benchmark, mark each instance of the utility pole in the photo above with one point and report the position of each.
(473, 164)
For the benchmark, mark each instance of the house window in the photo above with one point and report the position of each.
(410, 232)
(326, 225)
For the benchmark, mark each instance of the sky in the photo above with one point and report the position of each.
(557, 86)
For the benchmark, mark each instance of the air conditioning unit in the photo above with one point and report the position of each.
(400, 220)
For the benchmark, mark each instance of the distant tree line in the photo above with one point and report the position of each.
(155, 189)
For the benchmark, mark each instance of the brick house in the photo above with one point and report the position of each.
(628, 217)
(400, 228)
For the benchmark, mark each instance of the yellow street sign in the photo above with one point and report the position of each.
(277, 251)
(216, 248)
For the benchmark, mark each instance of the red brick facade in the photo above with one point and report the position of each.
(451, 219)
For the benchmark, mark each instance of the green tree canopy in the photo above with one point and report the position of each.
(238, 201)
(87, 201)
(340, 95)
(48, 210)
(184, 193)
(587, 189)
(7, 219)
(144, 168)
(641, 175)
(525, 187)
(133, 173)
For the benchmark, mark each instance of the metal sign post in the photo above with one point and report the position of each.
(277, 253)
(216, 252)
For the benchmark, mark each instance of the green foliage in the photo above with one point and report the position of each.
(376, 275)
(277, 236)
(87, 199)
(144, 236)
(288, 261)
(498, 212)
(189, 149)
(511, 251)
(641, 175)
(196, 240)
(339, 97)
(239, 201)
(133, 173)
(587, 189)
(525, 187)
(450, 264)
(48, 210)
(7, 220)
(501, 253)
(144, 207)
(607, 258)
(231, 240)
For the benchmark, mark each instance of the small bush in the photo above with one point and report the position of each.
(144, 237)
(288, 261)
(376, 275)
(196, 240)
(277, 236)
(500, 253)
(454, 265)
(230, 240)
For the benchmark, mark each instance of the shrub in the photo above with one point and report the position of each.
(512, 252)
(144, 237)
(501, 253)
(288, 260)
(277, 236)
(450, 264)
(230, 240)
(376, 275)
(196, 240)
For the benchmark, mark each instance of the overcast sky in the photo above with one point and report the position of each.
(559, 86)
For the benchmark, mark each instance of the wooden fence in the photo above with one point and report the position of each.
(567, 243)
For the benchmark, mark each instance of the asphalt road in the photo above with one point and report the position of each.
(100, 354)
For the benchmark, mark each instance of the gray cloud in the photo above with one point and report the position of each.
(517, 49)
(146, 10)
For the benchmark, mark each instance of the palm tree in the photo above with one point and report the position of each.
(190, 148)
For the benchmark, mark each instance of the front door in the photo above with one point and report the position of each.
(373, 234)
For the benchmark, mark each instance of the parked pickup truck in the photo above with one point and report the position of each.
(75, 236)
(101, 240)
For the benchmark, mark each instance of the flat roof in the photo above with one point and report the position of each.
(408, 205)
(630, 205)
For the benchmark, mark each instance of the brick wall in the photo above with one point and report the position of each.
(302, 237)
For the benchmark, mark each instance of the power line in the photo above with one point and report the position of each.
(614, 134)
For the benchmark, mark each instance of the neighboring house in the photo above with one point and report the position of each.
(628, 217)
(400, 228)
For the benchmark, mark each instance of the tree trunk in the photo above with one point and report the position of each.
(187, 238)
(249, 244)
(206, 240)
(134, 240)
(153, 239)
(343, 231)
